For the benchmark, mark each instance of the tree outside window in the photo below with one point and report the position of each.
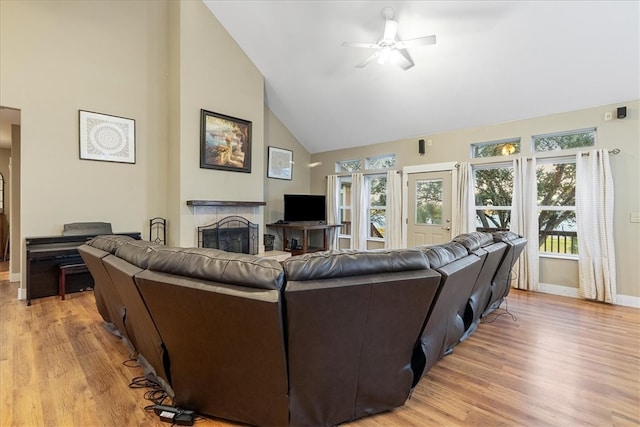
(377, 197)
(556, 191)
(493, 194)
(429, 196)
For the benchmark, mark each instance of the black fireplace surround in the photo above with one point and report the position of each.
(230, 234)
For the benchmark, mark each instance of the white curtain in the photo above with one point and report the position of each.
(333, 213)
(524, 221)
(393, 233)
(594, 215)
(359, 214)
(465, 217)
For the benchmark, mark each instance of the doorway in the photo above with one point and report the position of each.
(10, 170)
(428, 203)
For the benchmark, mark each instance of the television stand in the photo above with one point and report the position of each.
(304, 247)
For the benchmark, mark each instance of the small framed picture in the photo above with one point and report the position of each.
(280, 163)
(107, 138)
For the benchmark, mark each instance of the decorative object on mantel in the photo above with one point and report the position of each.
(223, 203)
(107, 138)
(280, 163)
(225, 142)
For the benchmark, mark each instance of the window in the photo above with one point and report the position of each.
(557, 206)
(344, 206)
(348, 166)
(493, 193)
(503, 147)
(429, 196)
(386, 161)
(377, 197)
(564, 140)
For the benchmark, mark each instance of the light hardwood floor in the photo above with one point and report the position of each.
(563, 362)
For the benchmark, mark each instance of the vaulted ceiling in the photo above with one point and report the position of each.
(493, 62)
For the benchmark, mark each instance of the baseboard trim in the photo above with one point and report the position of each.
(22, 294)
(628, 301)
(15, 277)
(567, 291)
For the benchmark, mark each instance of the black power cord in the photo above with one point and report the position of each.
(158, 396)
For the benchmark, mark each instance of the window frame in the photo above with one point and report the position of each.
(368, 160)
(516, 142)
(565, 159)
(561, 134)
(339, 169)
(369, 207)
(344, 205)
(490, 166)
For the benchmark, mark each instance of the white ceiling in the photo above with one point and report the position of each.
(493, 62)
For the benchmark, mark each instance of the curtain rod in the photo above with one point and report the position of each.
(613, 151)
(364, 173)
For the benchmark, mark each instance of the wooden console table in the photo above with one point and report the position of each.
(304, 247)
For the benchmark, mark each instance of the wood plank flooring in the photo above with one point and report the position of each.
(563, 362)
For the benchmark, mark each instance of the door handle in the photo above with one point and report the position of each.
(446, 228)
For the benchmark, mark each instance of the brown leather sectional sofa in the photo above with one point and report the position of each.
(318, 339)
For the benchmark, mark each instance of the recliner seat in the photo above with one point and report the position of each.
(444, 325)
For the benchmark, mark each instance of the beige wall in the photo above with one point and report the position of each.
(455, 146)
(277, 135)
(215, 75)
(110, 57)
(156, 62)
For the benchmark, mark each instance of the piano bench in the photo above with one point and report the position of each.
(65, 270)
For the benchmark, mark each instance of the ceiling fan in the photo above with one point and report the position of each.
(389, 48)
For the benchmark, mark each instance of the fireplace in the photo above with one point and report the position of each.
(230, 234)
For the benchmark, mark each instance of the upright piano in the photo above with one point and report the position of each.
(44, 256)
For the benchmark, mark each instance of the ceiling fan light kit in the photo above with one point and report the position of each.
(389, 48)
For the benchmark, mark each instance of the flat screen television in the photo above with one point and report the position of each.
(304, 207)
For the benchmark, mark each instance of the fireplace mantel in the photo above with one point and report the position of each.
(223, 203)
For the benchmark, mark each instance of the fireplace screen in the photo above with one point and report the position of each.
(231, 234)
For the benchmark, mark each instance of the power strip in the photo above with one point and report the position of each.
(170, 414)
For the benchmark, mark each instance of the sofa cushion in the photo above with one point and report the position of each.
(219, 266)
(474, 241)
(506, 236)
(347, 263)
(443, 254)
(137, 252)
(109, 242)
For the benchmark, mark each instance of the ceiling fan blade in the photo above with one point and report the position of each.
(407, 61)
(364, 45)
(420, 41)
(371, 58)
(390, 30)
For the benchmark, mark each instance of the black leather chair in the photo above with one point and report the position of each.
(444, 325)
(491, 253)
(108, 301)
(501, 283)
(352, 320)
(130, 259)
(219, 315)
